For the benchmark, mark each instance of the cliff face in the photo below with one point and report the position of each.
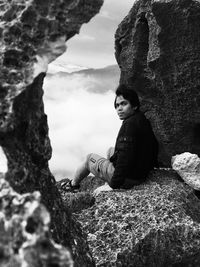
(32, 34)
(157, 48)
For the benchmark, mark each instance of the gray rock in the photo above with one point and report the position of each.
(187, 165)
(154, 224)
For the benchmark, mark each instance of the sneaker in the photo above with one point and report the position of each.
(68, 187)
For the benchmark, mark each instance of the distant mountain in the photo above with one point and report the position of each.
(93, 80)
(61, 66)
(103, 71)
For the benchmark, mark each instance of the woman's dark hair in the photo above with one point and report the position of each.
(127, 94)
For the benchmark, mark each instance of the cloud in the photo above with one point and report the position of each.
(118, 9)
(80, 122)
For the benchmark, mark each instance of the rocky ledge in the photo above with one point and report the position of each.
(155, 224)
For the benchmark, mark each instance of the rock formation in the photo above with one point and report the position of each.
(155, 224)
(25, 237)
(187, 165)
(157, 48)
(32, 34)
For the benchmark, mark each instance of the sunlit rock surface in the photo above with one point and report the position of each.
(187, 165)
(25, 235)
(157, 49)
(32, 34)
(155, 224)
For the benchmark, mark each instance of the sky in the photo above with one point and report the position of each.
(94, 45)
(81, 122)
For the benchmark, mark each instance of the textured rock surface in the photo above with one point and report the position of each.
(156, 224)
(25, 237)
(157, 49)
(187, 165)
(76, 202)
(32, 34)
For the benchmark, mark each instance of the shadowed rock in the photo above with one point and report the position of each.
(32, 34)
(154, 224)
(157, 49)
(25, 237)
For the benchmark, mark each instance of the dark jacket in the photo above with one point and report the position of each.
(135, 153)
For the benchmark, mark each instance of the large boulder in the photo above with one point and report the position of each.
(157, 49)
(32, 34)
(154, 224)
